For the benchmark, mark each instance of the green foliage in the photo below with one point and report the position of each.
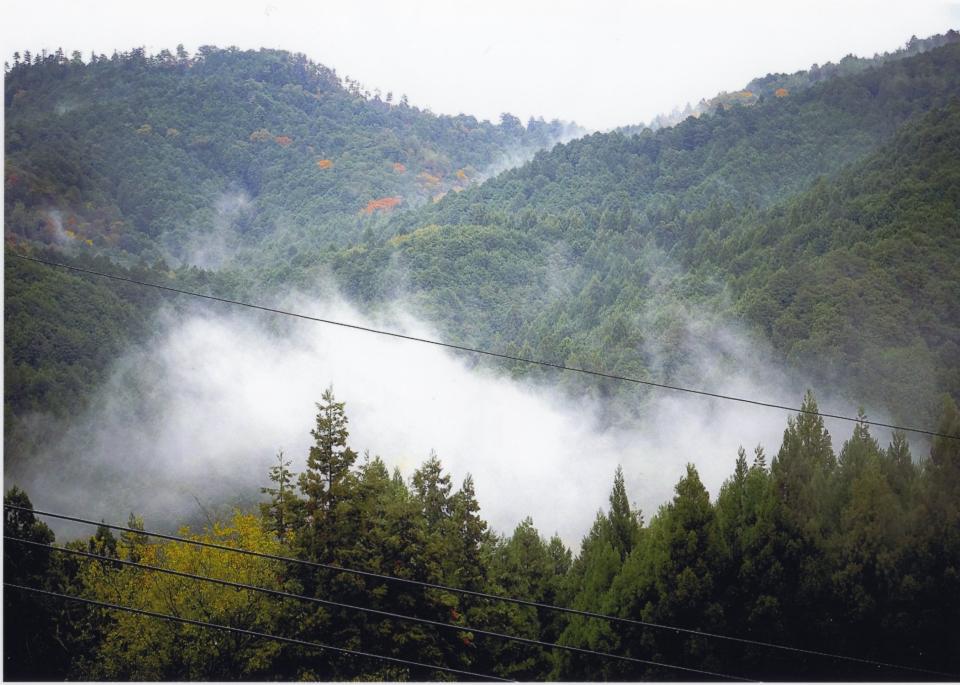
(154, 154)
(853, 554)
(825, 221)
(279, 513)
(824, 224)
(63, 330)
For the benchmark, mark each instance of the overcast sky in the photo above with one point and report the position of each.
(599, 62)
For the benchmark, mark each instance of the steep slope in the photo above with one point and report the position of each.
(594, 253)
(743, 157)
(196, 157)
(859, 276)
(614, 252)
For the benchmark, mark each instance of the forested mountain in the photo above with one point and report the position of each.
(144, 160)
(592, 254)
(799, 217)
(196, 157)
(815, 229)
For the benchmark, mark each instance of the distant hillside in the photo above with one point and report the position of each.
(592, 254)
(626, 253)
(783, 85)
(197, 157)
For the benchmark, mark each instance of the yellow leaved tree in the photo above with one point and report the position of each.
(142, 648)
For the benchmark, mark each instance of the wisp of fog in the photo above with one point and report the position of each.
(189, 422)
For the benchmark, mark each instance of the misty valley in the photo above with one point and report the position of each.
(303, 382)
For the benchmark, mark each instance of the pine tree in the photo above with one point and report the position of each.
(432, 487)
(470, 530)
(329, 460)
(685, 558)
(31, 651)
(278, 512)
(103, 542)
(759, 458)
(900, 469)
(938, 540)
(624, 523)
(859, 453)
(802, 469)
(132, 544)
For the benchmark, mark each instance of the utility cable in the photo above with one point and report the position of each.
(494, 597)
(498, 355)
(388, 614)
(254, 633)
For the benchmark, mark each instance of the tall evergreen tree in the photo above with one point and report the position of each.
(279, 512)
(329, 459)
(433, 487)
(802, 469)
(30, 648)
(938, 553)
(624, 522)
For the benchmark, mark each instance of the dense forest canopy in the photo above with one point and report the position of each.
(850, 552)
(195, 157)
(795, 218)
(590, 255)
(809, 224)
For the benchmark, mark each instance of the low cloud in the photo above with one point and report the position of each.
(221, 236)
(188, 423)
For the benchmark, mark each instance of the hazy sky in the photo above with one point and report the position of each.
(602, 63)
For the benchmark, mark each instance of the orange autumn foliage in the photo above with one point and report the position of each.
(383, 204)
(781, 92)
(324, 163)
(428, 179)
(283, 141)
(399, 168)
(461, 174)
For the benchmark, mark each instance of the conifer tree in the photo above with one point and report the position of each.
(30, 650)
(278, 512)
(329, 460)
(803, 467)
(470, 531)
(759, 458)
(624, 522)
(432, 487)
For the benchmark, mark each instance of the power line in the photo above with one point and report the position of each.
(254, 633)
(388, 614)
(494, 597)
(498, 355)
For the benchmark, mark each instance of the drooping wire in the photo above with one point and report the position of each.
(494, 597)
(488, 353)
(255, 633)
(388, 614)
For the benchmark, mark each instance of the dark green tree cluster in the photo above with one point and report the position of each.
(852, 552)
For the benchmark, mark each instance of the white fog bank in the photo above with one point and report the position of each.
(192, 420)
